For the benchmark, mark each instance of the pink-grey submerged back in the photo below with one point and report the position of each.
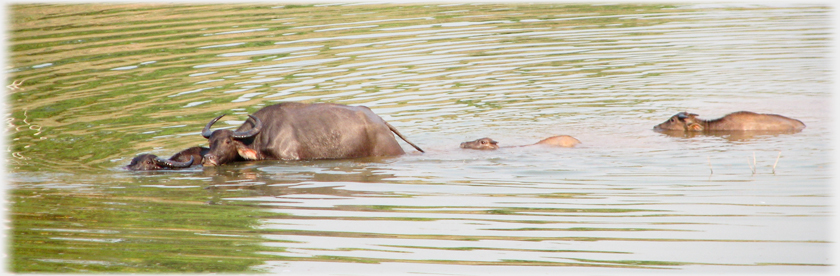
(563, 141)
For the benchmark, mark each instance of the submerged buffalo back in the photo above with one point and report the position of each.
(564, 141)
(745, 120)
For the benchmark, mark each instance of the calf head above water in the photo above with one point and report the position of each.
(682, 121)
(227, 145)
(480, 144)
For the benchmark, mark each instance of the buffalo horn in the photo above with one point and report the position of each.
(206, 132)
(251, 132)
(174, 164)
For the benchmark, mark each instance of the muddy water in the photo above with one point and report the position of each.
(91, 86)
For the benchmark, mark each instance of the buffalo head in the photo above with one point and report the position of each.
(147, 162)
(227, 145)
(481, 144)
(682, 121)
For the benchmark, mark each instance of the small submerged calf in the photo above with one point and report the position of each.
(564, 141)
(736, 121)
(182, 159)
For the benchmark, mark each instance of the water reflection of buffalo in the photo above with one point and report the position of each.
(564, 141)
(182, 159)
(301, 131)
(737, 121)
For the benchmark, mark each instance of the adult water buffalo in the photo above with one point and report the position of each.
(736, 121)
(564, 141)
(182, 159)
(303, 131)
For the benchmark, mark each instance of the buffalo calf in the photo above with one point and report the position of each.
(737, 121)
(563, 141)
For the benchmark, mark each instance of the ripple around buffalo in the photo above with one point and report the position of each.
(310, 131)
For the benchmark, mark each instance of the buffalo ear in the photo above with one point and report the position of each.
(247, 153)
(695, 127)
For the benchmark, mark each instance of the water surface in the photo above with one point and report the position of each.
(91, 86)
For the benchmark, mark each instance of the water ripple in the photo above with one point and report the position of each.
(134, 79)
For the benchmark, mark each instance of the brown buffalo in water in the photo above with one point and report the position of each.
(182, 159)
(302, 131)
(737, 121)
(564, 141)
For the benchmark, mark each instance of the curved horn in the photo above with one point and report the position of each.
(682, 115)
(174, 164)
(251, 132)
(206, 132)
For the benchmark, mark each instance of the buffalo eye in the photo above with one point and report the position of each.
(483, 142)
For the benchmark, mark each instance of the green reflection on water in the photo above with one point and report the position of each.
(133, 229)
(79, 113)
